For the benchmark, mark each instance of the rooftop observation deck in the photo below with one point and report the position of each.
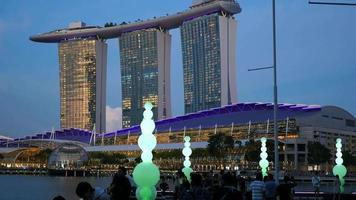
(229, 7)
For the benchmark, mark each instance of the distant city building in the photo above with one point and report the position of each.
(209, 62)
(145, 74)
(209, 50)
(82, 83)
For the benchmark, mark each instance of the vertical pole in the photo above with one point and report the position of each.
(183, 133)
(115, 138)
(102, 140)
(216, 126)
(232, 128)
(169, 134)
(287, 127)
(199, 133)
(275, 100)
(128, 137)
(249, 129)
(267, 126)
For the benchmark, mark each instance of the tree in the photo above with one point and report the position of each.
(253, 150)
(318, 153)
(220, 144)
(349, 159)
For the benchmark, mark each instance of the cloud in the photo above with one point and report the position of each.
(113, 118)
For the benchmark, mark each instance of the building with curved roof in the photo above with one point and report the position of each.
(67, 156)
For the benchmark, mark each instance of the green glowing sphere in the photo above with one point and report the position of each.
(263, 163)
(187, 138)
(146, 174)
(187, 171)
(339, 170)
(146, 193)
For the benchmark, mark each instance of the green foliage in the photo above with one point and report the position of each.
(220, 144)
(108, 157)
(109, 24)
(318, 153)
(43, 155)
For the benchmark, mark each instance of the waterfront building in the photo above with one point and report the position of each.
(209, 61)
(145, 74)
(82, 64)
(298, 124)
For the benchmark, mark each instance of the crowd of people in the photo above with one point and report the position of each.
(203, 186)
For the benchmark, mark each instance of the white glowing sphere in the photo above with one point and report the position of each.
(147, 114)
(147, 126)
(146, 156)
(263, 140)
(187, 163)
(339, 154)
(338, 145)
(187, 144)
(339, 161)
(187, 151)
(147, 142)
(263, 149)
(263, 155)
(148, 106)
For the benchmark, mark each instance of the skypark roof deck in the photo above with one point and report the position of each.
(164, 22)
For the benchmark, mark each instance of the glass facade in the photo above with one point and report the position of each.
(81, 94)
(141, 74)
(205, 46)
(201, 63)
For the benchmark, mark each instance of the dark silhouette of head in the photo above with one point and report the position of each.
(84, 190)
(228, 179)
(196, 179)
(286, 179)
(259, 176)
(59, 198)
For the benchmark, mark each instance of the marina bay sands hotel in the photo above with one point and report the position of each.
(208, 39)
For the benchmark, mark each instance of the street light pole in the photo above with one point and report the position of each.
(275, 100)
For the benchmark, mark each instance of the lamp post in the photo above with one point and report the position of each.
(275, 95)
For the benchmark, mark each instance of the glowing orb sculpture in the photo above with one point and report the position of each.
(339, 169)
(146, 174)
(263, 162)
(187, 151)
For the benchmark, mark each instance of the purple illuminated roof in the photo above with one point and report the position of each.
(236, 113)
(240, 113)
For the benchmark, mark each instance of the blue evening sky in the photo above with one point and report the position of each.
(316, 54)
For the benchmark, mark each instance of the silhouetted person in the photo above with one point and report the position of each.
(163, 185)
(258, 188)
(228, 190)
(120, 187)
(284, 190)
(86, 192)
(197, 190)
(271, 186)
(59, 198)
(316, 183)
(241, 184)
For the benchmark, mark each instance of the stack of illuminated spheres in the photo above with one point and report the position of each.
(146, 174)
(187, 151)
(263, 162)
(339, 169)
